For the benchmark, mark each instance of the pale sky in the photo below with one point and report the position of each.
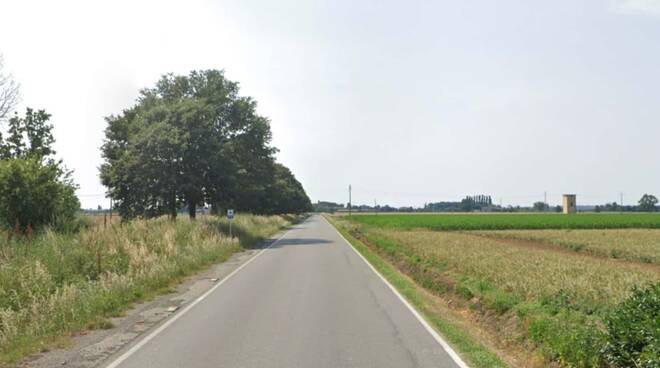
(410, 102)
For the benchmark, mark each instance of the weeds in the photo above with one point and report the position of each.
(72, 281)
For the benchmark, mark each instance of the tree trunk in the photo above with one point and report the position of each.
(173, 208)
(192, 211)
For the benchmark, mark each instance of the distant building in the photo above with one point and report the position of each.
(570, 204)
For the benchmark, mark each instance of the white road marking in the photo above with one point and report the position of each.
(457, 359)
(160, 329)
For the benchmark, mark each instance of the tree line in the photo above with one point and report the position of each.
(484, 203)
(192, 141)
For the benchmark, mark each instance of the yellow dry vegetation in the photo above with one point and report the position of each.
(638, 245)
(525, 271)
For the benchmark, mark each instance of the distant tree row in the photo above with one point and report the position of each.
(324, 206)
(443, 207)
(476, 203)
(647, 203)
(193, 141)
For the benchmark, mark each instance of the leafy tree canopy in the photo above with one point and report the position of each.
(194, 141)
(648, 202)
(35, 190)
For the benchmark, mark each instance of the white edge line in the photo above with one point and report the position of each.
(162, 327)
(457, 359)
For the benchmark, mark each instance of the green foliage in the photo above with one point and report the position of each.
(286, 193)
(511, 221)
(634, 330)
(191, 141)
(648, 202)
(567, 337)
(540, 206)
(36, 194)
(35, 190)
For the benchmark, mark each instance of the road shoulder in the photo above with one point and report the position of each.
(474, 351)
(93, 348)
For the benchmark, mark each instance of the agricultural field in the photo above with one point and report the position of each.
(503, 221)
(636, 245)
(550, 292)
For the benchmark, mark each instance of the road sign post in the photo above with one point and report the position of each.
(230, 217)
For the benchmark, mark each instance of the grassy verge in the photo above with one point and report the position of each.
(469, 347)
(56, 284)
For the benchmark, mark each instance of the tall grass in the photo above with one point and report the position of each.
(63, 282)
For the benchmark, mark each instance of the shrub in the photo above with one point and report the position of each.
(634, 330)
(35, 189)
(34, 193)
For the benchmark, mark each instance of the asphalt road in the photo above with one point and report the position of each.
(308, 301)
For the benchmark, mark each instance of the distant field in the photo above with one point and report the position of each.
(511, 221)
(637, 245)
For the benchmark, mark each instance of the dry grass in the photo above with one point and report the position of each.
(60, 283)
(527, 272)
(638, 245)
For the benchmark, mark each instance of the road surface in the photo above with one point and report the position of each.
(308, 301)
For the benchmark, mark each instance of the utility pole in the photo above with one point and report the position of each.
(545, 200)
(621, 203)
(375, 204)
(349, 200)
(110, 210)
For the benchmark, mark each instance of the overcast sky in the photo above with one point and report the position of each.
(410, 102)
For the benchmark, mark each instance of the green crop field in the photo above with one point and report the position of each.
(511, 221)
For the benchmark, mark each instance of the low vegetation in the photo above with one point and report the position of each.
(574, 308)
(58, 283)
(636, 245)
(634, 331)
(512, 221)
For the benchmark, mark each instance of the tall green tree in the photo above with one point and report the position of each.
(648, 203)
(28, 136)
(286, 193)
(189, 141)
(539, 206)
